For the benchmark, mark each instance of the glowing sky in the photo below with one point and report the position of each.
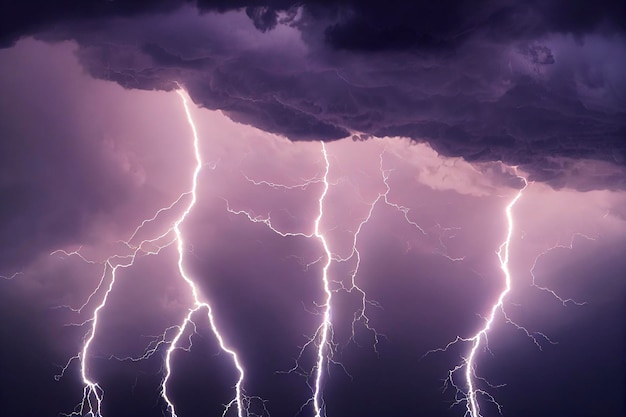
(84, 161)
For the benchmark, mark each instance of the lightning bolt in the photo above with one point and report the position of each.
(322, 334)
(360, 315)
(324, 329)
(93, 394)
(198, 304)
(503, 255)
(322, 338)
(469, 396)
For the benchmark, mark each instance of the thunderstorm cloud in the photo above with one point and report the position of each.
(538, 85)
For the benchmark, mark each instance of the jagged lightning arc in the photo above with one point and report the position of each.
(322, 337)
(503, 255)
(322, 340)
(323, 332)
(472, 404)
(553, 293)
(469, 396)
(318, 403)
(198, 304)
(93, 394)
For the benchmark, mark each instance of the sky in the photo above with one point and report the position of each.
(371, 179)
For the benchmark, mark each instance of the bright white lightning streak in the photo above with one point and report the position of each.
(318, 403)
(470, 397)
(323, 332)
(469, 363)
(503, 255)
(198, 304)
(92, 393)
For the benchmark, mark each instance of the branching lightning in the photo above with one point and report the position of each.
(469, 396)
(323, 336)
(550, 291)
(503, 255)
(93, 394)
(198, 304)
(360, 315)
(174, 337)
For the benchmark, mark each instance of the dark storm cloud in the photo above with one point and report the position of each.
(397, 24)
(521, 82)
(353, 24)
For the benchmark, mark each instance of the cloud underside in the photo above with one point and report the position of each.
(535, 85)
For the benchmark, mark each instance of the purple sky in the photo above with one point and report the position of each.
(83, 161)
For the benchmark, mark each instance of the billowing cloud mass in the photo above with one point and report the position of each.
(534, 84)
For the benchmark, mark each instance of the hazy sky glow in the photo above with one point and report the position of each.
(94, 140)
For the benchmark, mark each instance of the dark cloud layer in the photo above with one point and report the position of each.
(368, 25)
(528, 83)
